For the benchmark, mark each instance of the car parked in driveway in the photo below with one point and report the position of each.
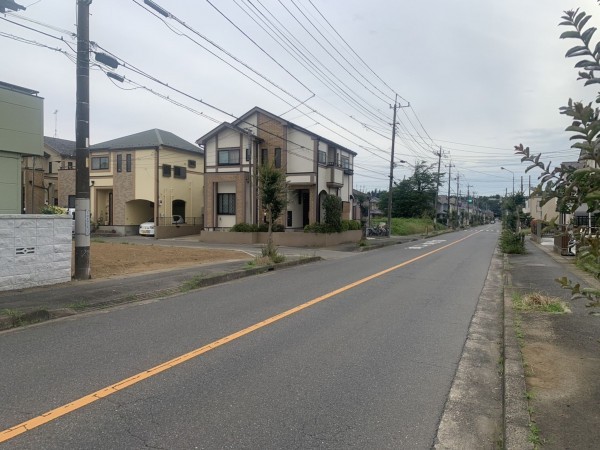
(147, 228)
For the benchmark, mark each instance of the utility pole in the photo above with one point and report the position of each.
(458, 199)
(468, 205)
(82, 134)
(449, 180)
(395, 107)
(392, 169)
(437, 186)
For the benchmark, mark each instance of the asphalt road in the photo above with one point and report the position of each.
(369, 366)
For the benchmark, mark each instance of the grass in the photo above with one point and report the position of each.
(79, 305)
(16, 318)
(536, 301)
(534, 435)
(192, 284)
(405, 226)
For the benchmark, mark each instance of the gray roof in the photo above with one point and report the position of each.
(62, 146)
(148, 139)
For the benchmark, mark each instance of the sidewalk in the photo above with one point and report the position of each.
(32, 305)
(551, 370)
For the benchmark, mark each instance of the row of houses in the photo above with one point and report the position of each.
(157, 175)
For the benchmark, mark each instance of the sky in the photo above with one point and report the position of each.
(472, 78)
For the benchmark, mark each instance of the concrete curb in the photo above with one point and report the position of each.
(515, 405)
(42, 315)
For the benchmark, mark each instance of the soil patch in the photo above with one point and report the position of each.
(112, 259)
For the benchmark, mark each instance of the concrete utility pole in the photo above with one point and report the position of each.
(392, 169)
(468, 205)
(449, 180)
(82, 134)
(458, 199)
(395, 107)
(437, 185)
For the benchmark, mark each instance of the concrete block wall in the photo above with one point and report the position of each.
(35, 250)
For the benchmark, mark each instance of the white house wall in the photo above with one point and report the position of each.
(300, 153)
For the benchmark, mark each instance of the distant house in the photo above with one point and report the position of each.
(149, 175)
(54, 175)
(314, 167)
(21, 116)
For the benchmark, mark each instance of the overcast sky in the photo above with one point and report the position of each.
(479, 76)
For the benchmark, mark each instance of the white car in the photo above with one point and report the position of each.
(147, 228)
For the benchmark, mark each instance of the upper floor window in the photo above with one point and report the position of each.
(100, 163)
(179, 172)
(128, 162)
(166, 170)
(229, 157)
(69, 165)
(278, 158)
(191, 163)
(119, 163)
(322, 157)
(50, 167)
(345, 162)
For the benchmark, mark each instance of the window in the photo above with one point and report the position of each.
(226, 204)
(191, 163)
(119, 163)
(50, 167)
(128, 162)
(69, 165)
(166, 170)
(278, 158)
(71, 201)
(179, 172)
(264, 156)
(100, 163)
(229, 157)
(322, 157)
(345, 162)
(248, 154)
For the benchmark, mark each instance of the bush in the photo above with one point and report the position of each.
(49, 209)
(244, 228)
(351, 225)
(319, 228)
(511, 242)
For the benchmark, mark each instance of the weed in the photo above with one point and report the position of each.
(194, 283)
(537, 301)
(530, 395)
(78, 306)
(534, 435)
(16, 318)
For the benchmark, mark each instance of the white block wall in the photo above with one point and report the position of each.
(35, 250)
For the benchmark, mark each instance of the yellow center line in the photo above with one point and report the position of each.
(54, 414)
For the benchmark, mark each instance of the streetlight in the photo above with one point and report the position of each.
(513, 177)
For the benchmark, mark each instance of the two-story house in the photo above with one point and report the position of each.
(53, 175)
(314, 167)
(152, 175)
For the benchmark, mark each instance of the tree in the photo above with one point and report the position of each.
(413, 196)
(573, 186)
(273, 190)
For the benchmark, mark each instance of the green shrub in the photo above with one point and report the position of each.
(511, 242)
(319, 228)
(244, 228)
(50, 209)
(351, 225)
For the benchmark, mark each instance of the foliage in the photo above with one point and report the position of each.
(319, 228)
(333, 207)
(512, 242)
(537, 301)
(402, 226)
(50, 209)
(244, 227)
(351, 225)
(273, 189)
(413, 196)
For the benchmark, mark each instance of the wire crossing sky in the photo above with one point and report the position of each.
(472, 78)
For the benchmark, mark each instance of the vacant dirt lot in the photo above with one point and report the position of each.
(110, 259)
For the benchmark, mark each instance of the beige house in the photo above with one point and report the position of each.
(149, 175)
(314, 167)
(53, 175)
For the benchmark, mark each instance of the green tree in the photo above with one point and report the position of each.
(413, 196)
(273, 190)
